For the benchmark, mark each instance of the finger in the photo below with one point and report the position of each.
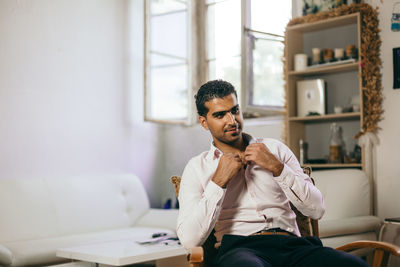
(249, 158)
(253, 147)
(229, 156)
(249, 152)
(242, 159)
(238, 158)
(258, 146)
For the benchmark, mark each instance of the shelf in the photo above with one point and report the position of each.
(330, 165)
(325, 24)
(326, 69)
(328, 117)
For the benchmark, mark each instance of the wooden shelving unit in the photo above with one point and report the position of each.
(340, 79)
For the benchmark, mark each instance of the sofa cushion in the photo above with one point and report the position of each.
(43, 251)
(337, 241)
(346, 193)
(347, 226)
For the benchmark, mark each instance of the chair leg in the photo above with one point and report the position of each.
(381, 258)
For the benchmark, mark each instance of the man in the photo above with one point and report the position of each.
(241, 188)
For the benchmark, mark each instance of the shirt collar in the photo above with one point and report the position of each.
(214, 152)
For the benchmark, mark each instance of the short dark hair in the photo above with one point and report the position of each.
(210, 90)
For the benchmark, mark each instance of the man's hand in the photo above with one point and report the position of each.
(260, 155)
(229, 165)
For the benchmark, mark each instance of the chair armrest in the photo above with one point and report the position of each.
(196, 256)
(391, 248)
(163, 218)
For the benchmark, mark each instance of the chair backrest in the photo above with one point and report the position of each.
(307, 226)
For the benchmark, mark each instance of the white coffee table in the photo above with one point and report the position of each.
(125, 252)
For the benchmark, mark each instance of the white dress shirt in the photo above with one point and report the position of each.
(252, 201)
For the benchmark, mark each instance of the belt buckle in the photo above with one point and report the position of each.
(271, 230)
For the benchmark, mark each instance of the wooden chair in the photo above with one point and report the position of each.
(307, 227)
(382, 250)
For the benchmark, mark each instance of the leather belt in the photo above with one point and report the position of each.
(272, 232)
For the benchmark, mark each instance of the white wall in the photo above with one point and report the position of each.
(64, 81)
(387, 160)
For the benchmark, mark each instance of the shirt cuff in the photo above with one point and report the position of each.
(213, 192)
(286, 178)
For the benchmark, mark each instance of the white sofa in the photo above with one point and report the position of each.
(40, 215)
(347, 199)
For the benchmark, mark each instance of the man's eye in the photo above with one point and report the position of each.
(220, 116)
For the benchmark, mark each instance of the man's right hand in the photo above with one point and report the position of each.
(229, 165)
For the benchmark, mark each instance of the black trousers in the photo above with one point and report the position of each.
(280, 250)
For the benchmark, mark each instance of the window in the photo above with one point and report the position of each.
(242, 43)
(264, 31)
(167, 61)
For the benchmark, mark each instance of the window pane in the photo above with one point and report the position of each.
(223, 29)
(227, 69)
(164, 6)
(168, 93)
(271, 18)
(157, 60)
(267, 73)
(168, 34)
(213, 1)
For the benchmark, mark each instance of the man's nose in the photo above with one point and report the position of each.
(231, 118)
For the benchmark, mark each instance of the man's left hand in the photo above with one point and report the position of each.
(259, 154)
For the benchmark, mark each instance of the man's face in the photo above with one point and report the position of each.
(224, 120)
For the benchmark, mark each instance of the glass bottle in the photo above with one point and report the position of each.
(335, 144)
(303, 152)
(395, 25)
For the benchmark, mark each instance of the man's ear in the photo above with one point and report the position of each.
(203, 122)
